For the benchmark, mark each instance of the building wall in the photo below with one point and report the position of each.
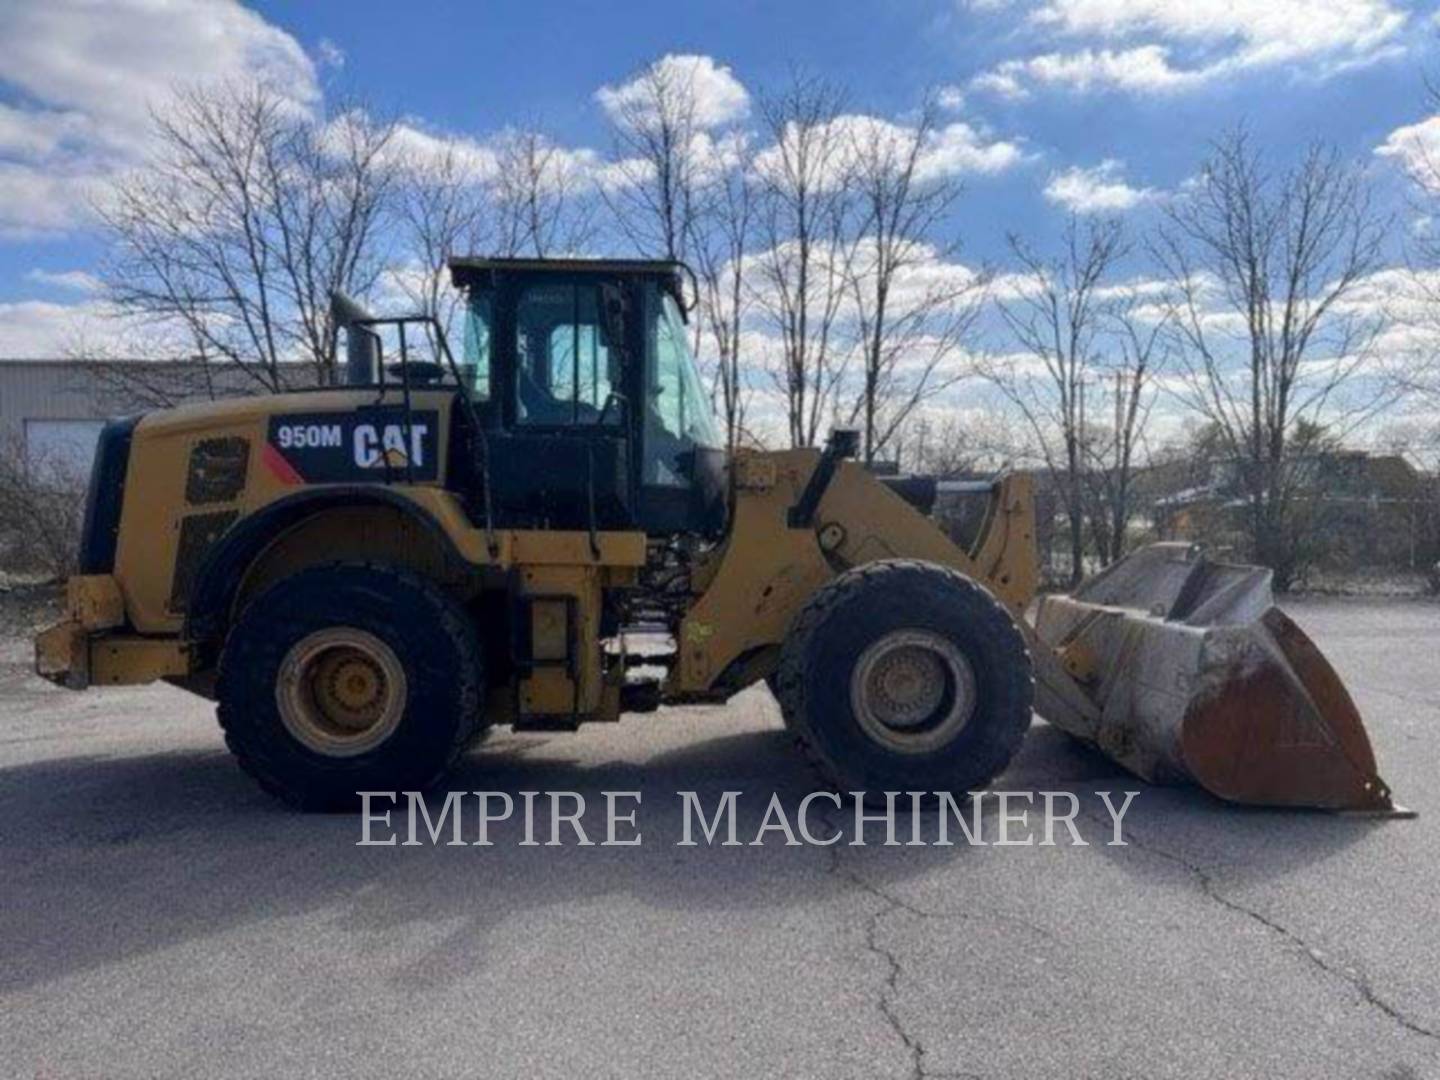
(52, 410)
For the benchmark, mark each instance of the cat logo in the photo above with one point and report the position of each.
(387, 447)
(368, 445)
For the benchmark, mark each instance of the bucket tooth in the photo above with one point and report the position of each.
(1198, 677)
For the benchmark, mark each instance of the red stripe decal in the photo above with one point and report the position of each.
(282, 469)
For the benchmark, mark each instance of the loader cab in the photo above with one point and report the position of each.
(589, 395)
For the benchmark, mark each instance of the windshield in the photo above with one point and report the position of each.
(677, 398)
(475, 355)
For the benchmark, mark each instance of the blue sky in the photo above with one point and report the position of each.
(1105, 104)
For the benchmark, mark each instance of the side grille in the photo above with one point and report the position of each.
(197, 533)
(217, 470)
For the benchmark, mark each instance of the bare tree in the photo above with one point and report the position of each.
(1114, 447)
(950, 446)
(248, 214)
(542, 197)
(1055, 318)
(1263, 264)
(443, 211)
(723, 229)
(660, 161)
(803, 222)
(1418, 305)
(910, 323)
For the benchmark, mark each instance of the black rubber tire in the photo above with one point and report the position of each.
(429, 633)
(843, 618)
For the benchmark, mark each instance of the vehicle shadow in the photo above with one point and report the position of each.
(109, 858)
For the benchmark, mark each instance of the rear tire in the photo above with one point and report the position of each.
(904, 675)
(350, 677)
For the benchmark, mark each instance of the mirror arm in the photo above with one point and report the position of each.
(612, 396)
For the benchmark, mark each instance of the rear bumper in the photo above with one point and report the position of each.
(62, 655)
(89, 648)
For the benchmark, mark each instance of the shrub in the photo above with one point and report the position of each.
(42, 507)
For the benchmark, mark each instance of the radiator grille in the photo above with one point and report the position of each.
(217, 470)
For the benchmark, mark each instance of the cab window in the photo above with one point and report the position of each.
(475, 363)
(564, 370)
(677, 413)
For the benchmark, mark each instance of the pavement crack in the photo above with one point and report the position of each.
(885, 1000)
(1358, 981)
(894, 970)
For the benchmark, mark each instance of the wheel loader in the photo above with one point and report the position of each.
(366, 576)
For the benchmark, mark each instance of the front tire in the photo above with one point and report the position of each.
(903, 675)
(346, 678)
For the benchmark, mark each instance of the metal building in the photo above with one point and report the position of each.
(51, 411)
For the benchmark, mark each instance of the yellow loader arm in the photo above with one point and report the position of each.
(1177, 667)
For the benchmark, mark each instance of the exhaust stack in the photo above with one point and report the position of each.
(362, 345)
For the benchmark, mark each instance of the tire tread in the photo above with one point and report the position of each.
(449, 616)
(797, 657)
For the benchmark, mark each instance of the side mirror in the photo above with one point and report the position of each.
(612, 316)
(843, 443)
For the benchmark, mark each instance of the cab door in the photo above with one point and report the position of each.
(562, 459)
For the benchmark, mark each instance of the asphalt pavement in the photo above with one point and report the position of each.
(160, 916)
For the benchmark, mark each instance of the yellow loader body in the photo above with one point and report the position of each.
(1212, 685)
(364, 577)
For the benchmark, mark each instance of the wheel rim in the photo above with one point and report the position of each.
(341, 691)
(912, 691)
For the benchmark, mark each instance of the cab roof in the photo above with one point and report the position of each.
(482, 270)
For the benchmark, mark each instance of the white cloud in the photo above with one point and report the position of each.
(112, 61)
(36, 201)
(73, 280)
(955, 149)
(1149, 45)
(572, 168)
(33, 133)
(950, 98)
(1265, 31)
(1144, 68)
(419, 149)
(414, 147)
(330, 54)
(1417, 148)
(87, 75)
(959, 148)
(706, 160)
(1101, 189)
(40, 329)
(929, 285)
(719, 98)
